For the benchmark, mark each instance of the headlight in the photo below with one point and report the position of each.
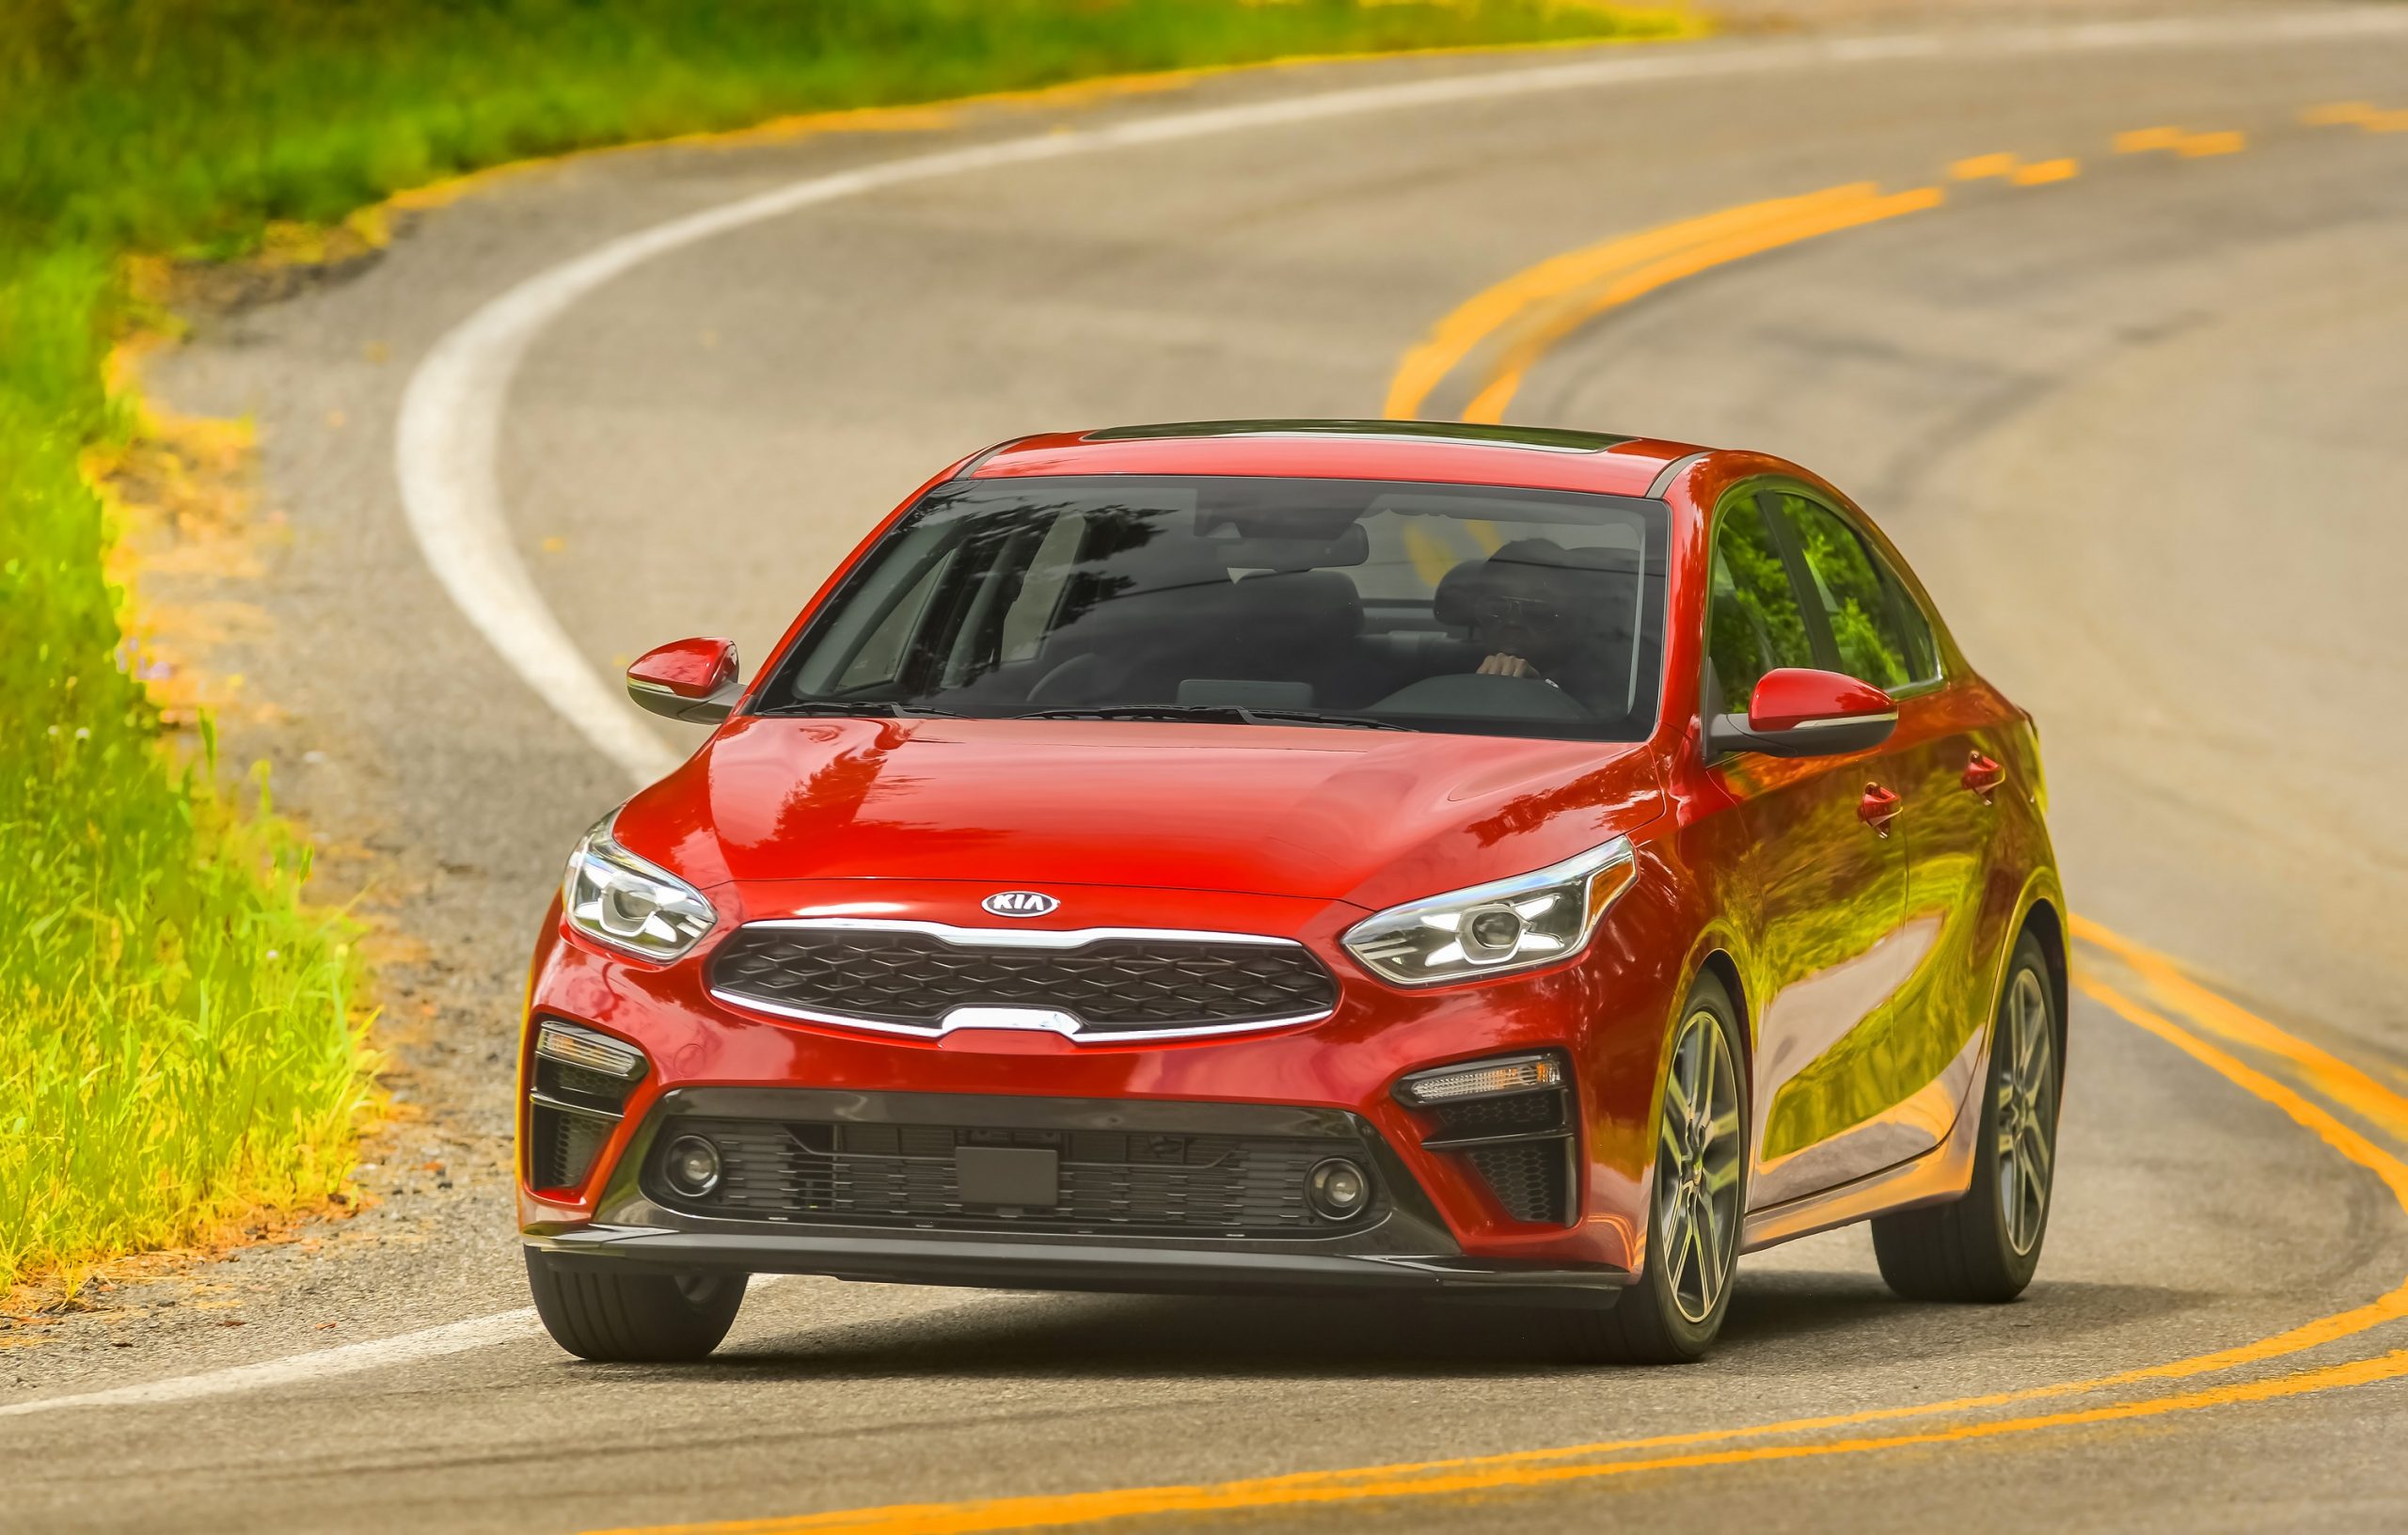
(614, 897)
(1508, 924)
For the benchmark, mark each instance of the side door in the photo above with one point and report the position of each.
(1912, 1079)
(1820, 893)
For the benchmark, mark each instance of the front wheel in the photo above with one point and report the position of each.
(1674, 1312)
(1985, 1246)
(633, 1316)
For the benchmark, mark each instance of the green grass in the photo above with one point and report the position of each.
(177, 1040)
(175, 1044)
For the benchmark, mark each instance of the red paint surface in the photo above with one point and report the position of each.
(1789, 696)
(688, 668)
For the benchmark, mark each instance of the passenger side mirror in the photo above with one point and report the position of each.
(694, 680)
(1799, 712)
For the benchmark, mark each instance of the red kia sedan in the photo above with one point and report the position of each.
(1306, 858)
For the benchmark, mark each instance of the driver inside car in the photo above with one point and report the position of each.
(1518, 612)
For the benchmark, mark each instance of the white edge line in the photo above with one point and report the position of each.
(451, 421)
(519, 1326)
(345, 1359)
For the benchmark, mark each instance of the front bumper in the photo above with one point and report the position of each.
(1191, 1216)
(1603, 1016)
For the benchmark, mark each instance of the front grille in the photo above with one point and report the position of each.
(1110, 1181)
(1118, 984)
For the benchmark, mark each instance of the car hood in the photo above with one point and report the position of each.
(1367, 816)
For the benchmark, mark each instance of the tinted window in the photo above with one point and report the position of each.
(1753, 623)
(1466, 608)
(1863, 603)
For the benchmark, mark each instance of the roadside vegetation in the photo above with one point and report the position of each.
(180, 1039)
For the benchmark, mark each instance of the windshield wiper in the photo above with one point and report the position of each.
(866, 709)
(1224, 714)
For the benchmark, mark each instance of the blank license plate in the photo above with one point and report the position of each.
(1008, 1175)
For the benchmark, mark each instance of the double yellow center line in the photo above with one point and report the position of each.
(1516, 322)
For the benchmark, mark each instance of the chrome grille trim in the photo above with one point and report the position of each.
(1014, 938)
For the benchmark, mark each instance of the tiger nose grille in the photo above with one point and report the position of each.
(1108, 1182)
(1116, 985)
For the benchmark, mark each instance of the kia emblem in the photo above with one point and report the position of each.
(1020, 903)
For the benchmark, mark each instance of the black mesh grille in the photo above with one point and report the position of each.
(1501, 1115)
(562, 1147)
(579, 1083)
(1526, 1178)
(1109, 1180)
(1111, 986)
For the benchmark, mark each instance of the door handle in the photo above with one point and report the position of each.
(1983, 776)
(1878, 809)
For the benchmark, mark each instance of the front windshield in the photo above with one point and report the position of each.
(1472, 610)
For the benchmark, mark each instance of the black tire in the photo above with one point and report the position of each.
(635, 1317)
(1986, 1245)
(1675, 1311)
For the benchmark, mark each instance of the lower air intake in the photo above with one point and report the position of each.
(1527, 1178)
(1105, 1181)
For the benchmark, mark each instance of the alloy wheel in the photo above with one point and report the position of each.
(2027, 1111)
(1697, 1168)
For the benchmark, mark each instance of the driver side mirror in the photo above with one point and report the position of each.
(1799, 712)
(692, 680)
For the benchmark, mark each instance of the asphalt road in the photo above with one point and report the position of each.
(2137, 425)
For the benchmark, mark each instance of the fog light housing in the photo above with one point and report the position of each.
(1337, 1189)
(691, 1165)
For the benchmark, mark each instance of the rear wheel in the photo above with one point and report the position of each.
(1671, 1315)
(633, 1317)
(1985, 1246)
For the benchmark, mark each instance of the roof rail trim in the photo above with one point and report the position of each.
(1669, 472)
(969, 466)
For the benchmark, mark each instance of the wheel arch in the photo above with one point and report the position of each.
(1719, 964)
(2047, 926)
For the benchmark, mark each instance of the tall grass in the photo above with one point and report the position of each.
(176, 1041)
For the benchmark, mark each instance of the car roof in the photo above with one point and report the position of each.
(1533, 458)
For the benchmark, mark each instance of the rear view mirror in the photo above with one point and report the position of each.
(694, 680)
(1799, 712)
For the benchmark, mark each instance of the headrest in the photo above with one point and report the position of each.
(1316, 607)
(1525, 562)
(1451, 603)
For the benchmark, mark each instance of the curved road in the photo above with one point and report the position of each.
(2126, 387)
